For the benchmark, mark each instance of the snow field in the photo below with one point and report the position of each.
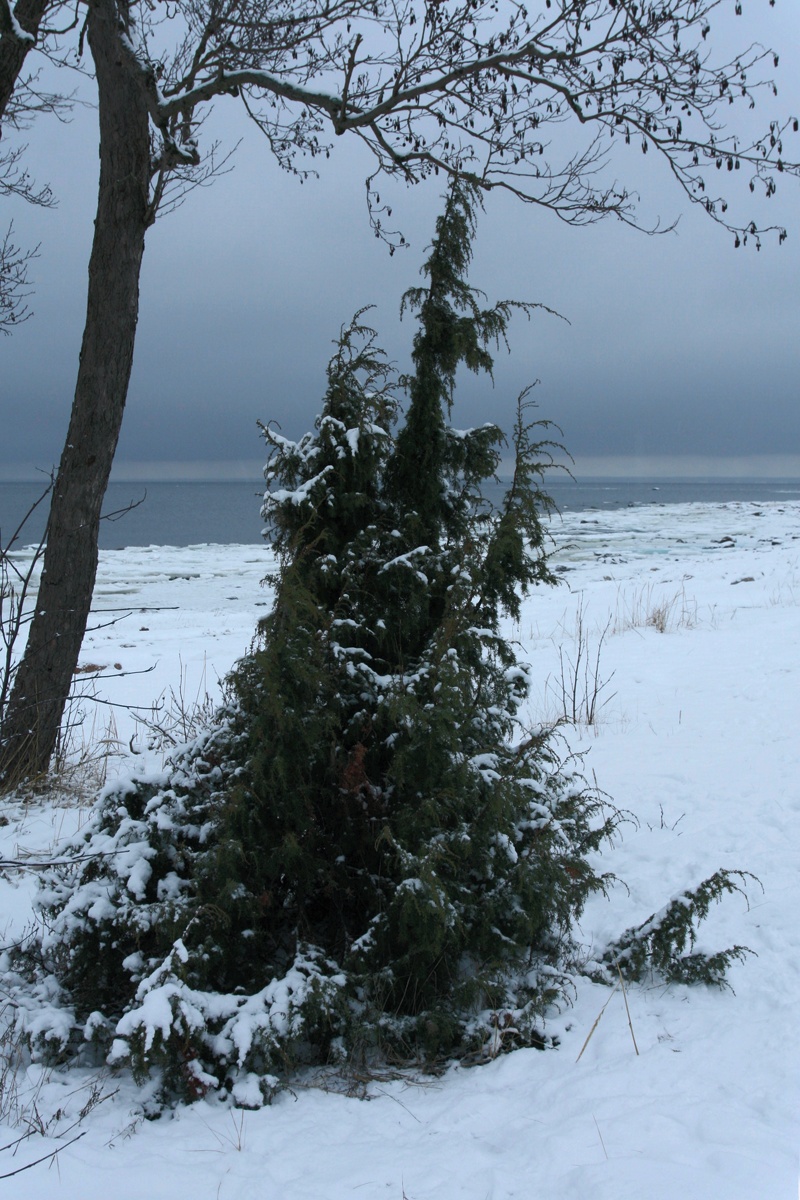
(699, 740)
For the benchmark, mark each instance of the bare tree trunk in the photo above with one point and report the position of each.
(42, 684)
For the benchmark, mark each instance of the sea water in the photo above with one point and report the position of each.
(188, 514)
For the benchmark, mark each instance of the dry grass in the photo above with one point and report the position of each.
(646, 608)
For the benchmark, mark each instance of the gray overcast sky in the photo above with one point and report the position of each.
(678, 346)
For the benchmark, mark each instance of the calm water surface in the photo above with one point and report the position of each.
(186, 514)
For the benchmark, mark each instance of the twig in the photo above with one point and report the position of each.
(599, 1134)
(44, 1157)
(627, 1010)
(596, 1023)
(34, 865)
(24, 1137)
(123, 512)
(93, 676)
(147, 608)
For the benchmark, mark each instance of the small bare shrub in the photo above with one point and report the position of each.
(579, 690)
(23, 1104)
(176, 718)
(12, 1054)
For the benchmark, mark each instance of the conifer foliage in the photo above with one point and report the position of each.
(366, 857)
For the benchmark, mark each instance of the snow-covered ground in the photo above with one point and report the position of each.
(697, 733)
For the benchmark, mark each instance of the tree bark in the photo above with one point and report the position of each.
(42, 683)
(13, 49)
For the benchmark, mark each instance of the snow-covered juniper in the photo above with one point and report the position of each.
(366, 857)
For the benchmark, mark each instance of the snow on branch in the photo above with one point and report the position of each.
(10, 26)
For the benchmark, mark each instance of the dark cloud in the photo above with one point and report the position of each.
(677, 345)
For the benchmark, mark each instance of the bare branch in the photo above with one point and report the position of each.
(503, 94)
(14, 285)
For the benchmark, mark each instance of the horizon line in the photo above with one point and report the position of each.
(584, 467)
